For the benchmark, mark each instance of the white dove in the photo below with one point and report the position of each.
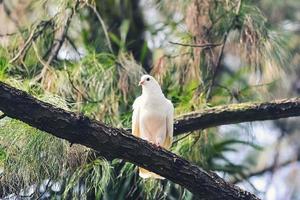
(152, 118)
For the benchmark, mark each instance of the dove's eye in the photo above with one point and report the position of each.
(148, 79)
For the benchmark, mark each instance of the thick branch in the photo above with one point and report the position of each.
(237, 113)
(115, 143)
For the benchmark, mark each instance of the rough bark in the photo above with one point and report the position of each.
(237, 113)
(115, 143)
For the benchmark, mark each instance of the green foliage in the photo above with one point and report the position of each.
(3, 67)
(216, 157)
(95, 176)
(103, 85)
(31, 156)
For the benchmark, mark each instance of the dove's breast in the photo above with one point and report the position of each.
(153, 120)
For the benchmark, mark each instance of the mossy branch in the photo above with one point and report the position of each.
(237, 113)
(115, 143)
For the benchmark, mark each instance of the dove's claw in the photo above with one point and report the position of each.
(157, 144)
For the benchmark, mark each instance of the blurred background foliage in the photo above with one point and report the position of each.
(87, 56)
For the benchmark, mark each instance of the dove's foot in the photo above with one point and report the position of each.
(157, 144)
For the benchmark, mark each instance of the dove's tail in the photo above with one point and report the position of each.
(147, 174)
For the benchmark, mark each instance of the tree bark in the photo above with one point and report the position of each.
(115, 143)
(237, 113)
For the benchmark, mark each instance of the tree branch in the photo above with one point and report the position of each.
(58, 41)
(8, 34)
(35, 33)
(216, 68)
(115, 143)
(62, 35)
(208, 45)
(94, 9)
(264, 170)
(85, 97)
(237, 113)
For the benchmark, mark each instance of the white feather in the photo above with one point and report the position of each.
(152, 118)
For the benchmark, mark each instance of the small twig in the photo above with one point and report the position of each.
(253, 187)
(262, 171)
(238, 9)
(174, 142)
(73, 45)
(233, 94)
(207, 45)
(58, 42)
(25, 46)
(133, 188)
(175, 56)
(35, 33)
(61, 38)
(103, 26)
(217, 67)
(275, 162)
(73, 85)
(37, 53)
(8, 34)
(46, 189)
(218, 64)
(85, 97)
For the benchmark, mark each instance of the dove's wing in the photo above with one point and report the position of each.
(135, 117)
(169, 124)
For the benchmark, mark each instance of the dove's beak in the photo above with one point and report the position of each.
(141, 83)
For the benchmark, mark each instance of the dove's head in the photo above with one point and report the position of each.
(149, 85)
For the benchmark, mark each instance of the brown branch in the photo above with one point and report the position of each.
(221, 52)
(71, 42)
(264, 170)
(115, 143)
(217, 68)
(8, 34)
(237, 113)
(45, 191)
(58, 42)
(208, 45)
(276, 165)
(61, 38)
(85, 97)
(179, 139)
(35, 33)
